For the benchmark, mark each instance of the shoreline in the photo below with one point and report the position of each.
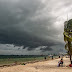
(28, 62)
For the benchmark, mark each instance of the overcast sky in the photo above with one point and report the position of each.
(33, 26)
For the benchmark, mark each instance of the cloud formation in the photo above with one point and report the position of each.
(33, 23)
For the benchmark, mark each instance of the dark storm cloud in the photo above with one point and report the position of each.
(32, 23)
(25, 40)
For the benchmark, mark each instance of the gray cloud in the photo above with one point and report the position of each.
(46, 49)
(33, 23)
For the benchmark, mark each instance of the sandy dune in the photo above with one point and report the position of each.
(45, 66)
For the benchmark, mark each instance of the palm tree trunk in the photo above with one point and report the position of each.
(70, 57)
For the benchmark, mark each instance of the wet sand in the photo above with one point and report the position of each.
(44, 66)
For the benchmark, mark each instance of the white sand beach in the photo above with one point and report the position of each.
(44, 66)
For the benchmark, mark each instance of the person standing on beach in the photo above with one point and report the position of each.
(52, 57)
(59, 56)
